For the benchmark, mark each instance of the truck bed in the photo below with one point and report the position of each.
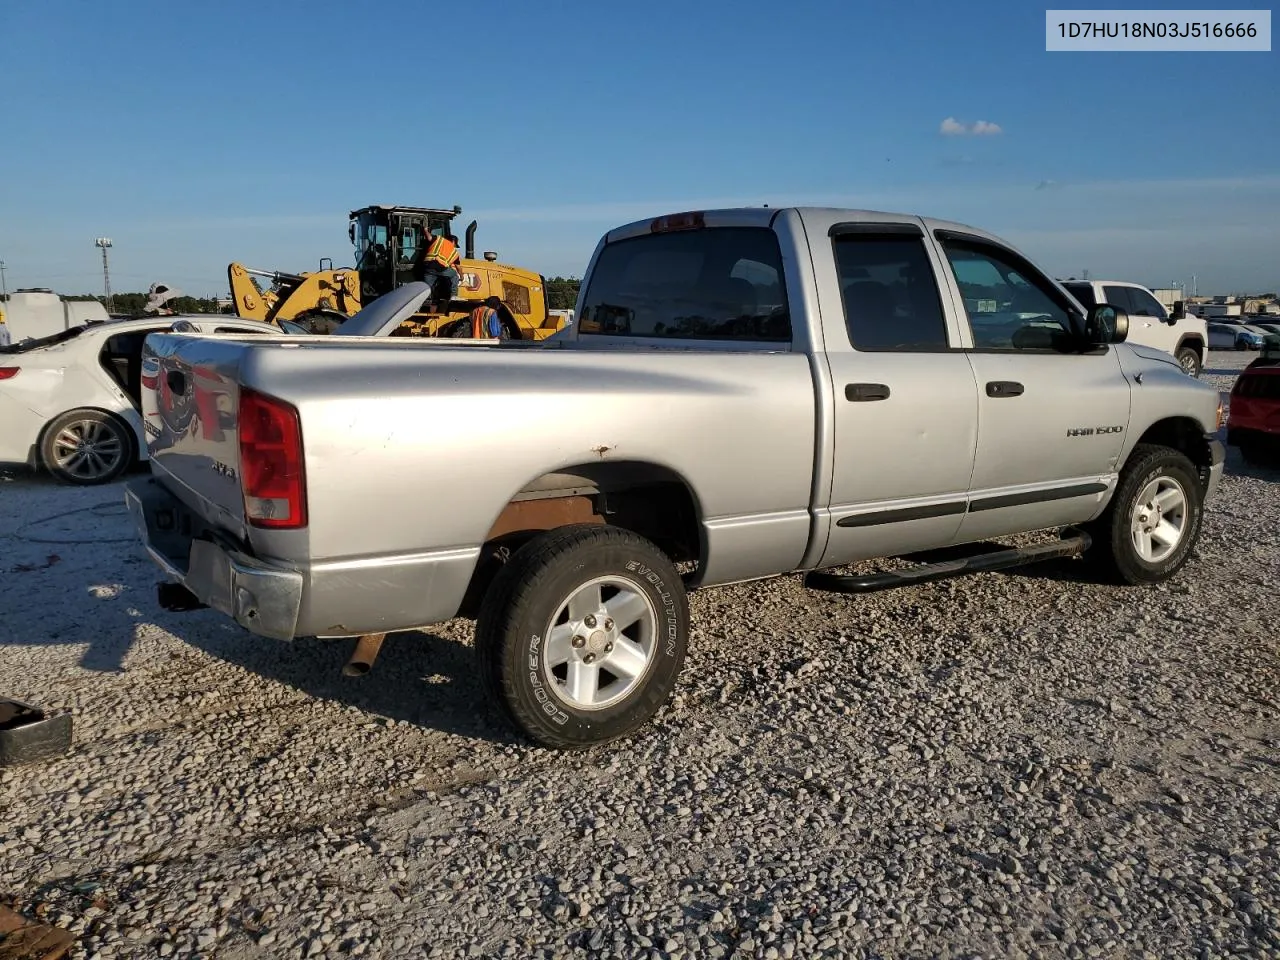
(390, 428)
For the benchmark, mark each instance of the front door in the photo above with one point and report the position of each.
(1148, 320)
(1051, 419)
(905, 402)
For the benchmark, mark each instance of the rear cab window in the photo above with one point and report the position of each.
(714, 283)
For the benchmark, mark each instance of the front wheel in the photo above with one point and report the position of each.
(582, 635)
(1149, 529)
(1189, 361)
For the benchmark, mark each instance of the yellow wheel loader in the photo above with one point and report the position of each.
(388, 242)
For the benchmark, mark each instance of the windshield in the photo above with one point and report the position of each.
(370, 241)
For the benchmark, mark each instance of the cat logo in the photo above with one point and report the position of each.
(470, 281)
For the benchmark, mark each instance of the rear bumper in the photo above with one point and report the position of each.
(329, 598)
(263, 599)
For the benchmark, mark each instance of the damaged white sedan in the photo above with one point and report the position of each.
(69, 401)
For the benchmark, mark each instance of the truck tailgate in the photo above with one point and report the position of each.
(190, 400)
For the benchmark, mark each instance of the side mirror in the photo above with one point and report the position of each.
(1179, 311)
(1106, 324)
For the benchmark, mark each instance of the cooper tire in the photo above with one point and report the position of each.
(1189, 360)
(536, 646)
(87, 447)
(1153, 476)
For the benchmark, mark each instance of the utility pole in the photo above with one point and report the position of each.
(105, 243)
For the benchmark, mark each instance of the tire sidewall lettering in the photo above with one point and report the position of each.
(545, 700)
(670, 615)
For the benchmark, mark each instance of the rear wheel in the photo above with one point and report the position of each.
(582, 635)
(1149, 529)
(1189, 361)
(87, 447)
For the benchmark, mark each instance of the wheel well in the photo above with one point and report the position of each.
(647, 499)
(124, 424)
(1190, 340)
(1185, 435)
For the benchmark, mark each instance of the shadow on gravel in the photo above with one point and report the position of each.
(1237, 466)
(419, 677)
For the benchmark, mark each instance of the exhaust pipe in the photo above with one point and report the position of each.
(471, 240)
(365, 653)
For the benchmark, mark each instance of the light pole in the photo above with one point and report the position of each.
(4, 286)
(105, 243)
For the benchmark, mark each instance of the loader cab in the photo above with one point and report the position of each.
(388, 241)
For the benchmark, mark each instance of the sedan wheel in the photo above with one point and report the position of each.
(87, 447)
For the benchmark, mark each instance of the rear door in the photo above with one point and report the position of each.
(905, 400)
(1051, 419)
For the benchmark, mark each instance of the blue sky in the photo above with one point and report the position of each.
(198, 134)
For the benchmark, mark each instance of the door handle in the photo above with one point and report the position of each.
(859, 392)
(177, 381)
(1004, 388)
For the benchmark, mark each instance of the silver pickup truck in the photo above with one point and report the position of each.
(745, 393)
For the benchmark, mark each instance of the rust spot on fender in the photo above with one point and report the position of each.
(601, 450)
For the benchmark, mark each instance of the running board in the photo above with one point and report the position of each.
(1072, 544)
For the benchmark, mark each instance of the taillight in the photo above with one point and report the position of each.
(271, 473)
(8, 373)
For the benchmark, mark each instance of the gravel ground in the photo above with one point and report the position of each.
(1007, 765)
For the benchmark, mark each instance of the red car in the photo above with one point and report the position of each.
(1253, 421)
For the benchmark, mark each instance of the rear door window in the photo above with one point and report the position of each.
(890, 294)
(718, 283)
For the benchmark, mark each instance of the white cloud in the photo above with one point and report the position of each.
(951, 127)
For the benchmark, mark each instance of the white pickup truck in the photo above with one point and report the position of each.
(1178, 333)
(745, 393)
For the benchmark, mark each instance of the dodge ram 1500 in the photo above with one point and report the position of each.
(745, 393)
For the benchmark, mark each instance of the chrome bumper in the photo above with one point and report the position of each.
(263, 599)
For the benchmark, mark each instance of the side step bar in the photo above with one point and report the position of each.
(1073, 543)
